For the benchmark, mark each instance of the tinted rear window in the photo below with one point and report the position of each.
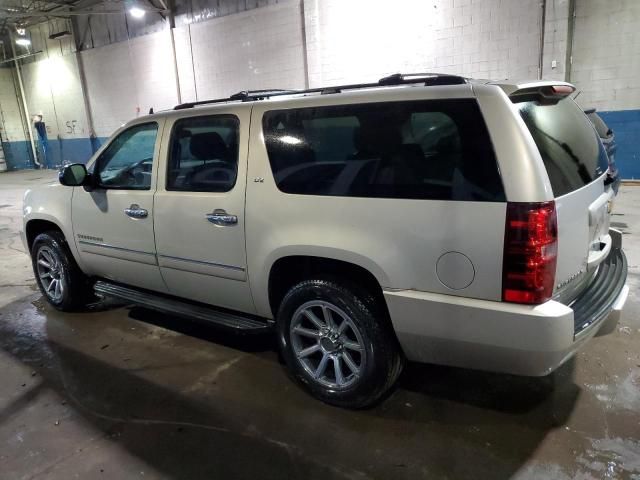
(416, 150)
(570, 148)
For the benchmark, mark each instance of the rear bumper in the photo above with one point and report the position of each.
(506, 337)
(600, 298)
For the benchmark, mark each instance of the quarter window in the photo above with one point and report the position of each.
(416, 150)
(127, 162)
(204, 154)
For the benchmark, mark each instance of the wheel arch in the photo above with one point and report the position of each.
(288, 270)
(36, 226)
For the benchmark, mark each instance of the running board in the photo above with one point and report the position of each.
(231, 321)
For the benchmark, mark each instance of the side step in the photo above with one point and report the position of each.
(231, 321)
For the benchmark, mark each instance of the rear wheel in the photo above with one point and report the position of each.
(337, 343)
(60, 279)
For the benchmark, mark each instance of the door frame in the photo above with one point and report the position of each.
(80, 239)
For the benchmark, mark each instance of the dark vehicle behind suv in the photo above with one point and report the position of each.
(608, 139)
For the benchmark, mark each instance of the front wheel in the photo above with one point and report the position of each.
(337, 343)
(60, 279)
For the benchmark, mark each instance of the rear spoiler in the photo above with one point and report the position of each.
(543, 94)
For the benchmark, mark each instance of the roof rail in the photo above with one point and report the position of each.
(244, 95)
(260, 94)
(428, 79)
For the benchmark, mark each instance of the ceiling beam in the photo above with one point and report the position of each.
(68, 13)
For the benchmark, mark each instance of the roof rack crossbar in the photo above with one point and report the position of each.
(428, 79)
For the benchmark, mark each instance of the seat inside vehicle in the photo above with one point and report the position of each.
(203, 160)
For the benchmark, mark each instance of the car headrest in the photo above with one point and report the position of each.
(208, 146)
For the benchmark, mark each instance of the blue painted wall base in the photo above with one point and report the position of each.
(18, 155)
(74, 150)
(626, 126)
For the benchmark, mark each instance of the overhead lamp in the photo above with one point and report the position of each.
(21, 31)
(136, 12)
(23, 42)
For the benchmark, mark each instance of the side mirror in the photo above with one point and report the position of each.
(73, 175)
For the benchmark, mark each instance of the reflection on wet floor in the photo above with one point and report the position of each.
(119, 392)
(164, 388)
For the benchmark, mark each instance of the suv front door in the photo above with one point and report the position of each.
(113, 223)
(199, 208)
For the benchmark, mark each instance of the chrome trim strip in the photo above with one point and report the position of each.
(202, 262)
(106, 245)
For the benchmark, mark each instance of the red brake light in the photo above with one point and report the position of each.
(530, 249)
(562, 89)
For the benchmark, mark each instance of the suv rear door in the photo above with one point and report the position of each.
(576, 163)
(199, 207)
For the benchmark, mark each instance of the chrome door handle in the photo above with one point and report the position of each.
(134, 211)
(221, 218)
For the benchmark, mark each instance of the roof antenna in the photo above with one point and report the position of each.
(151, 111)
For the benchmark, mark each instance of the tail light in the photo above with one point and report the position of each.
(530, 250)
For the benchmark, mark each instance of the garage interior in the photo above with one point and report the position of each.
(123, 392)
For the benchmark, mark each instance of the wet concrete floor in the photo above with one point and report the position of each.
(127, 393)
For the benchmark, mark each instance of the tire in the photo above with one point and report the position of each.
(73, 290)
(367, 372)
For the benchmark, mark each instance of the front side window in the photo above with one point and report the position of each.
(127, 162)
(204, 154)
(433, 149)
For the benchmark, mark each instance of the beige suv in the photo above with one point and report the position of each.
(431, 218)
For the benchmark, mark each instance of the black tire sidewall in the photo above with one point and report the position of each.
(382, 356)
(56, 242)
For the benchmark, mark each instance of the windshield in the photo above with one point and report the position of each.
(570, 148)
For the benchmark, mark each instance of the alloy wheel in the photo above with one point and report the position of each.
(328, 344)
(51, 273)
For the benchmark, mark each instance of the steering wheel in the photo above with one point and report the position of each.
(129, 176)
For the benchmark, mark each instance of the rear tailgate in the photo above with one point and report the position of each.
(576, 164)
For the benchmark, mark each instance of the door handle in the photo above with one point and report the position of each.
(134, 211)
(221, 218)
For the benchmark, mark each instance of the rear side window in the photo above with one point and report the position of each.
(204, 154)
(431, 149)
(570, 148)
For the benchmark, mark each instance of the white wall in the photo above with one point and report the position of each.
(126, 79)
(52, 89)
(254, 49)
(555, 39)
(606, 54)
(363, 40)
(346, 41)
(260, 48)
(10, 119)
(184, 59)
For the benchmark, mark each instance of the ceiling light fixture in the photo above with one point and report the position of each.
(136, 12)
(23, 42)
